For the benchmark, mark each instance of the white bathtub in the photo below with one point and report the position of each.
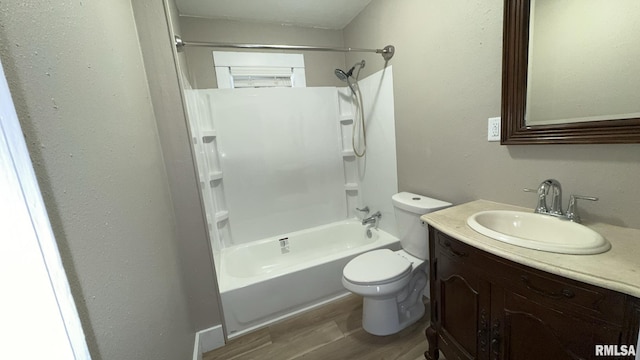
(267, 280)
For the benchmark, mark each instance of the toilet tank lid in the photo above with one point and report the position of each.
(417, 204)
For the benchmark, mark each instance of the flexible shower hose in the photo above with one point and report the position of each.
(360, 107)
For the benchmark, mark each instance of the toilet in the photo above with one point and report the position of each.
(392, 283)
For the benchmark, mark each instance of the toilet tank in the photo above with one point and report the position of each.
(408, 208)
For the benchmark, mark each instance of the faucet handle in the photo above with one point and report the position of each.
(377, 216)
(364, 209)
(541, 207)
(572, 210)
(583, 197)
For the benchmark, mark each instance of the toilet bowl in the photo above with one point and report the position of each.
(389, 302)
(392, 283)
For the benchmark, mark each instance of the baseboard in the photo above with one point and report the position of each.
(207, 340)
(197, 354)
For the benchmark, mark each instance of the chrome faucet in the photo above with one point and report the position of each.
(556, 196)
(552, 187)
(373, 219)
(549, 187)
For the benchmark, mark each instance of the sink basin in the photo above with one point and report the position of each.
(539, 232)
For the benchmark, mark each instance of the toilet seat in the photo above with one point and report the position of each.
(377, 267)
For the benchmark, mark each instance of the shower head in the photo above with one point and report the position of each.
(344, 75)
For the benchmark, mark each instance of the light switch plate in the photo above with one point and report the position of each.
(493, 131)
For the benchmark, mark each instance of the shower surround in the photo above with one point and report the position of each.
(278, 161)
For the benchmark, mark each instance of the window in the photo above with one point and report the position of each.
(256, 70)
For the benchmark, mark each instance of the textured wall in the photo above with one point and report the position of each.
(319, 66)
(447, 75)
(77, 78)
(194, 250)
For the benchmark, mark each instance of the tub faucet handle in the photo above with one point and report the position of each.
(364, 209)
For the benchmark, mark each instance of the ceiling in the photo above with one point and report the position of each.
(328, 14)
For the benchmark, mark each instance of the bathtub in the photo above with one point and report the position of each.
(268, 280)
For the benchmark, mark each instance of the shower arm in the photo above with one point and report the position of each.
(387, 52)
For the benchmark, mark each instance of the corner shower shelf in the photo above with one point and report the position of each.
(222, 216)
(351, 187)
(208, 135)
(345, 119)
(348, 153)
(215, 175)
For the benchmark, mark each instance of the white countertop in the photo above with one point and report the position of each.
(617, 269)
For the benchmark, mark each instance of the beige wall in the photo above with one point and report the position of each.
(319, 66)
(76, 74)
(194, 250)
(447, 73)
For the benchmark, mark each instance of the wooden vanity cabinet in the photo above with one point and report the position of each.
(487, 307)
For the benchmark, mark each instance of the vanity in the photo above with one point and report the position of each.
(495, 300)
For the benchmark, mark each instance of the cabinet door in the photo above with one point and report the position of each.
(463, 311)
(523, 329)
(632, 323)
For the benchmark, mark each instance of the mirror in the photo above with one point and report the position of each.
(561, 124)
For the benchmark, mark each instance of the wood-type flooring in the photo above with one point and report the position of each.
(331, 332)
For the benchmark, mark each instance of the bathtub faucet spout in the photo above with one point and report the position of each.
(373, 219)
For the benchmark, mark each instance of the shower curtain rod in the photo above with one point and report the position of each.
(387, 52)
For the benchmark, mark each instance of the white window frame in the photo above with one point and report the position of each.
(261, 65)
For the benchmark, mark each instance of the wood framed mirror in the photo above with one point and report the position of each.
(515, 67)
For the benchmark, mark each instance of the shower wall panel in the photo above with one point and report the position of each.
(280, 153)
(377, 175)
